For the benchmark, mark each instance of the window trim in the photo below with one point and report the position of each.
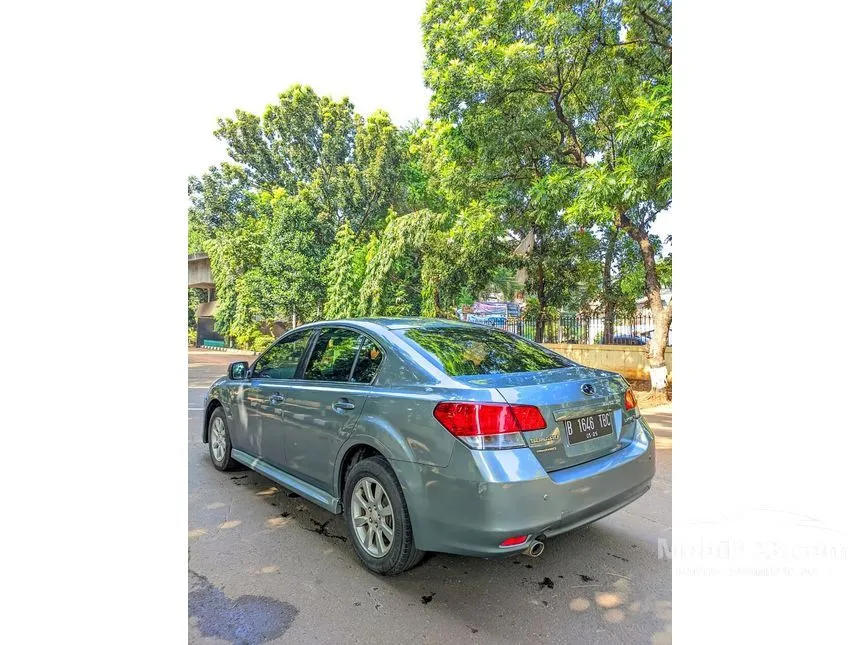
(309, 350)
(355, 358)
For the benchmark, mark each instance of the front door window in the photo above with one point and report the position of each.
(282, 360)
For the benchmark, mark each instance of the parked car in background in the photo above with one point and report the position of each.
(629, 340)
(433, 435)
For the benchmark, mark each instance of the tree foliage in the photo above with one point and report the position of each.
(543, 166)
(560, 118)
(270, 219)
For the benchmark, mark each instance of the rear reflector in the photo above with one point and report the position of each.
(515, 541)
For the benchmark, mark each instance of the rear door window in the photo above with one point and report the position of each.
(333, 355)
(467, 351)
(367, 365)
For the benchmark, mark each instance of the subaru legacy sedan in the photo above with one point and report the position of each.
(433, 435)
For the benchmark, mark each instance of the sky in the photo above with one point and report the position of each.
(370, 51)
(247, 54)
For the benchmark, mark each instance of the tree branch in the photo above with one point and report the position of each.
(653, 24)
(651, 20)
(576, 148)
(370, 203)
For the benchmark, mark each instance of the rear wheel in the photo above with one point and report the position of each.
(220, 445)
(377, 518)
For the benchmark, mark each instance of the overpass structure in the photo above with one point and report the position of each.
(200, 277)
(200, 272)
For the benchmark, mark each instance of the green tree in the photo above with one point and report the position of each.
(216, 197)
(235, 254)
(294, 251)
(195, 297)
(307, 167)
(376, 175)
(549, 110)
(348, 167)
(420, 259)
(409, 248)
(504, 281)
(623, 274)
(344, 269)
(628, 189)
(488, 68)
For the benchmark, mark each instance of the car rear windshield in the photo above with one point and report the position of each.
(466, 351)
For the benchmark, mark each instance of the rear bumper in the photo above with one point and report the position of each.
(484, 497)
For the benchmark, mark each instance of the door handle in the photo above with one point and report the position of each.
(276, 398)
(343, 404)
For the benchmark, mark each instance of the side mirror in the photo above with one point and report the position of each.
(238, 370)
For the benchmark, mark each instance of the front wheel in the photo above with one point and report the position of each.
(220, 446)
(377, 518)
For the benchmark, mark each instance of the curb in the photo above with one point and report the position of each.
(229, 350)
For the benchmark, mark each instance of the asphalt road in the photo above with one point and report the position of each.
(265, 566)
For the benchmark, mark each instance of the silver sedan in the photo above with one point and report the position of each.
(433, 435)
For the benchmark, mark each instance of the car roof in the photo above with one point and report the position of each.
(395, 322)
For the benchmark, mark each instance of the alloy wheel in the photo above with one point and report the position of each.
(218, 439)
(372, 517)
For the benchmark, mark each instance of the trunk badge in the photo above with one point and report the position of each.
(587, 388)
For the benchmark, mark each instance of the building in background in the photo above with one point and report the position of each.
(665, 296)
(200, 277)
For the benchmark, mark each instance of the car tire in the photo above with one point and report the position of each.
(400, 553)
(220, 446)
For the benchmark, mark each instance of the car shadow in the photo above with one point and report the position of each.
(602, 582)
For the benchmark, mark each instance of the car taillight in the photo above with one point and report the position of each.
(487, 426)
(629, 400)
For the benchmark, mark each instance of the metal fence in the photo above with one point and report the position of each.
(586, 329)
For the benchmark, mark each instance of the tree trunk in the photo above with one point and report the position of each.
(608, 290)
(540, 323)
(540, 287)
(662, 315)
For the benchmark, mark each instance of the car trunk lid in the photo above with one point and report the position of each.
(564, 395)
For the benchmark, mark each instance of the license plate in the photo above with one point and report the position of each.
(589, 427)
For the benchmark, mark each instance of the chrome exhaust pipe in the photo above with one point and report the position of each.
(535, 549)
